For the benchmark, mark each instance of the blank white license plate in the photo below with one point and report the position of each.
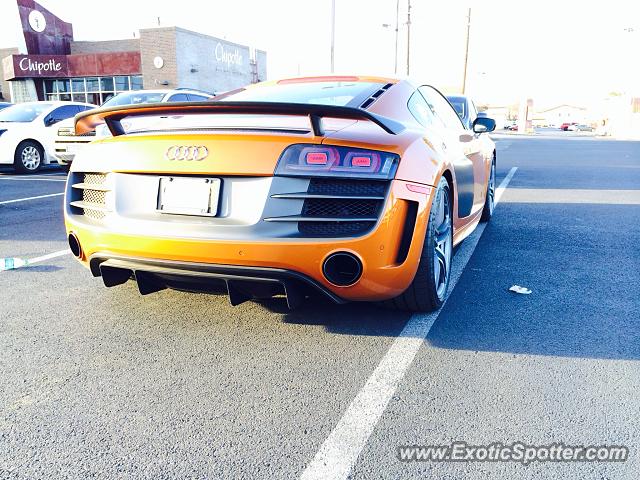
(189, 196)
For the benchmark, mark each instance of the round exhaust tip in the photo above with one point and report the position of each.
(342, 269)
(74, 245)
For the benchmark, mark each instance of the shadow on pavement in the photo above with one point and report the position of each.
(582, 275)
(37, 269)
(349, 319)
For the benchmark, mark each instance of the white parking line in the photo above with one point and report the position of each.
(27, 179)
(16, 263)
(31, 175)
(503, 185)
(340, 450)
(49, 256)
(15, 200)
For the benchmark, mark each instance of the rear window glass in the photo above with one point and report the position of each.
(25, 112)
(318, 93)
(134, 98)
(459, 106)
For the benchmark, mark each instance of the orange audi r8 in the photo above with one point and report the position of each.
(356, 188)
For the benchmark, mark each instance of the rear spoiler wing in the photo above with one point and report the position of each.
(89, 120)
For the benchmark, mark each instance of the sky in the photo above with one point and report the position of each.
(574, 52)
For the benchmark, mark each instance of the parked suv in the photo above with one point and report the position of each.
(67, 143)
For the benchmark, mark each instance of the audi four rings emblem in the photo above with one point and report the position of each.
(187, 152)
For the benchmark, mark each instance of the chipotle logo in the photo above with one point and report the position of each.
(36, 66)
(28, 65)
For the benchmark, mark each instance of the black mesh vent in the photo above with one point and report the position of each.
(94, 196)
(95, 178)
(347, 187)
(89, 195)
(96, 214)
(338, 212)
(340, 208)
(334, 229)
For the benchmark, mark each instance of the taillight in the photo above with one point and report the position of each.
(319, 160)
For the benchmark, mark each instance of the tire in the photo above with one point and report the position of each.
(29, 157)
(490, 200)
(428, 289)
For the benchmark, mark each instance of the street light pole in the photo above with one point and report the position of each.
(408, 34)
(466, 53)
(333, 33)
(395, 64)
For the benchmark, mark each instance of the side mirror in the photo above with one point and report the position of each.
(484, 125)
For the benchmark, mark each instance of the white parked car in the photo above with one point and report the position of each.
(67, 143)
(28, 131)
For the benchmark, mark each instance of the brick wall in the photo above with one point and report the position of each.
(4, 85)
(159, 42)
(109, 46)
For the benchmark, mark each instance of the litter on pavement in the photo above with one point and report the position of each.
(520, 290)
(11, 263)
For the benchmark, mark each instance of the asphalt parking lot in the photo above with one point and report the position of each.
(105, 383)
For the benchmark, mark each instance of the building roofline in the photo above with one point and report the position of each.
(192, 32)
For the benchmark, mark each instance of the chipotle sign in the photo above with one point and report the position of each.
(35, 66)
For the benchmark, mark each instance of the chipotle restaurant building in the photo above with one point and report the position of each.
(49, 64)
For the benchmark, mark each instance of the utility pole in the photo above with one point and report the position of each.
(395, 65)
(408, 34)
(466, 53)
(333, 34)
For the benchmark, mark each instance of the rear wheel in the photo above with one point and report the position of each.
(29, 157)
(429, 287)
(490, 200)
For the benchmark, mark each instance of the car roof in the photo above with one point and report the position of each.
(55, 103)
(192, 90)
(327, 78)
(167, 91)
(148, 91)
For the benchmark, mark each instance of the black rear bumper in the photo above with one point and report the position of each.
(239, 282)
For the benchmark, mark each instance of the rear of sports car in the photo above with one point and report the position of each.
(252, 211)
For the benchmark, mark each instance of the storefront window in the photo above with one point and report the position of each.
(49, 86)
(122, 84)
(136, 82)
(106, 84)
(93, 85)
(95, 90)
(77, 84)
(63, 86)
(106, 96)
(94, 98)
